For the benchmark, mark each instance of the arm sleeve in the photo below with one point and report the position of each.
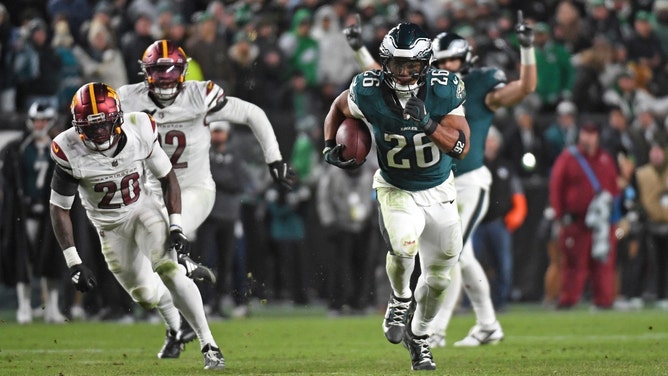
(63, 188)
(240, 111)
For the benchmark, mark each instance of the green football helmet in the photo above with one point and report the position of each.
(405, 53)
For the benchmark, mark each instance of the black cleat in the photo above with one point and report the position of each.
(213, 358)
(396, 317)
(418, 347)
(172, 347)
(186, 332)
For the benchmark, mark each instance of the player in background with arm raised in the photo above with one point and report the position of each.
(104, 157)
(418, 123)
(486, 91)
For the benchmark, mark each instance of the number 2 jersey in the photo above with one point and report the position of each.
(183, 125)
(408, 159)
(111, 185)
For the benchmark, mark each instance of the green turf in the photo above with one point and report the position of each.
(537, 343)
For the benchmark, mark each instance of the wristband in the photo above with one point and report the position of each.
(72, 257)
(430, 127)
(364, 58)
(458, 149)
(175, 222)
(527, 56)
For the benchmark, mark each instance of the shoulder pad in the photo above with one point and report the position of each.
(446, 85)
(58, 155)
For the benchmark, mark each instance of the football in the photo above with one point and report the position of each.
(355, 137)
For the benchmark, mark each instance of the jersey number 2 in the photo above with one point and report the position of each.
(178, 138)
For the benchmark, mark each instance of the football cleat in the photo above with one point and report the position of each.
(396, 317)
(195, 270)
(213, 358)
(172, 347)
(436, 340)
(418, 347)
(482, 335)
(186, 332)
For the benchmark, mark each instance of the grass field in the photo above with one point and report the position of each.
(537, 342)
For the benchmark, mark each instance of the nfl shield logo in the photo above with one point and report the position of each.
(114, 163)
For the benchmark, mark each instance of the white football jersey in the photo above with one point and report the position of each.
(184, 135)
(111, 188)
(183, 126)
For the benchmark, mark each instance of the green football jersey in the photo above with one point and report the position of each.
(479, 82)
(408, 159)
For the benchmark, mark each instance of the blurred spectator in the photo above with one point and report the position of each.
(30, 252)
(217, 237)
(660, 24)
(556, 73)
(76, 12)
(583, 186)
(244, 55)
(70, 77)
(336, 62)
(178, 30)
(42, 81)
(492, 241)
(286, 211)
(525, 147)
(300, 49)
(563, 131)
(621, 141)
(652, 182)
(345, 206)
(133, 44)
(643, 45)
(603, 21)
(589, 65)
(7, 81)
(102, 61)
(102, 15)
(210, 50)
(570, 28)
(625, 94)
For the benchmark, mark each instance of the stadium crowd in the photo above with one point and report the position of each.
(598, 61)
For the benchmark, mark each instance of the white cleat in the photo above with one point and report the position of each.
(482, 335)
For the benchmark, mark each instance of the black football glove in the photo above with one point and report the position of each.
(416, 111)
(353, 34)
(333, 156)
(282, 174)
(524, 31)
(82, 278)
(178, 241)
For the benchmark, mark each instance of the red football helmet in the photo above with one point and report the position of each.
(164, 65)
(97, 115)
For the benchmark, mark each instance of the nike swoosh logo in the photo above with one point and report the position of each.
(486, 335)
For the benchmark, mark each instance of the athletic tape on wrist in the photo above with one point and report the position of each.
(175, 222)
(527, 56)
(364, 58)
(71, 256)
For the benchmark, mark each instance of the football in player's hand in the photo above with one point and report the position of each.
(355, 137)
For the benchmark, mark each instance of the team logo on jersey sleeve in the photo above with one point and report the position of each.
(460, 89)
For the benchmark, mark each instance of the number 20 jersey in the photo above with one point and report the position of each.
(408, 159)
(110, 188)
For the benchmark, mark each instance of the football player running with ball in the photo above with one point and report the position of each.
(486, 91)
(103, 157)
(418, 123)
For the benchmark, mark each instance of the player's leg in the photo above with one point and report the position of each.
(197, 203)
(575, 245)
(401, 223)
(440, 245)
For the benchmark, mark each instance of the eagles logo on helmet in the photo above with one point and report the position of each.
(97, 115)
(405, 53)
(164, 65)
(453, 46)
